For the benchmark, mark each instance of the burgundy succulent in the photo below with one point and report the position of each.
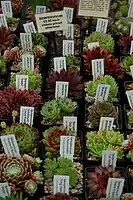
(59, 4)
(57, 196)
(125, 41)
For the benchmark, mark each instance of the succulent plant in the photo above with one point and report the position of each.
(72, 62)
(53, 111)
(91, 86)
(59, 4)
(34, 80)
(96, 142)
(73, 78)
(38, 2)
(60, 196)
(120, 8)
(17, 196)
(3, 69)
(130, 119)
(129, 146)
(124, 43)
(17, 6)
(26, 136)
(98, 180)
(39, 39)
(101, 109)
(111, 65)
(12, 99)
(127, 196)
(126, 63)
(12, 20)
(21, 172)
(106, 42)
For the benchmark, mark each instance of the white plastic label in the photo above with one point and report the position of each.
(69, 33)
(93, 45)
(3, 21)
(131, 69)
(109, 159)
(114, 188)
(21, 82)
(131, 48)
(130, 10)
(5, 190)
(129, 94)
(6, 8)
(70, 123)
(68, 14)
(26, 41)
(131, 29)
(102, 25)
(28, 62)
(10, 145)
(97, 68)
(29, 27)
(40, 9)
(67, 146)
(130, 1)
(68, 47)
(102, 92)
(61, 184)
(106, 123)
(26, 115)
(59, 63)
(61, 90)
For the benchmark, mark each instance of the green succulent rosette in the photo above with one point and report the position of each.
(91, 87)
(72, 62)
(39, 39)
(96, 142)
(126, 63)
(67, 106)
(3, 69)
(12, 20)
(18, 196)
(106, 42)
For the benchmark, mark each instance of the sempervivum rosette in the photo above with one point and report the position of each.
(21, 173)
(59, 196)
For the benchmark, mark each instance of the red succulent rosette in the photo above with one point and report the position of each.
(59, 4)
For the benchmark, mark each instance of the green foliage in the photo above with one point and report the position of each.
(3, 69)
(72, 62)
(120, 7)
(126, 63)
(18, 196)
(106, 42)
(130, 118)
(61, 166)
(110, 140)
(91, 86)
(35, 3)
(12, 20)
(39, 39)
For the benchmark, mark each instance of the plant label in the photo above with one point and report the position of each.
(26, 41)
(70, 123)
(59, 63)
(21, 82)
(106, 123)
(130, 10)
(3, 21)
(26, 115)
(5, 190)
(6, 8)
(10, 145)
(67, 146)
(97, 68)
(69, 14)
(40, 9)
(61, 184)
(131, 48)
(131, 29)
(28, 62)
(130, 1)
(69, 33)
(29, 27)
(102, 25)
(129, 94)
(114, 188)
(93, 45)
(102, 92)
(61, 89)
(131, 69)
(68, 47)
(109, 159)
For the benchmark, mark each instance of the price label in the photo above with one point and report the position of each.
(109, 159)
(69, 14)
(70, 123)
(28, 62)
(131, 29)
(6, 8)
(10, 145)
(129, 94)
(29, 27)
(26, 115)
(69, 33)
(61, 184)
(68, 47)
(131, 48)
(3, 21)
(130, 10)
(5, 190)
(102, 92)
(106, 123)
(26, 41)
(67, 146)
(114, 187)
(131, 69)
(102, 25)
(59, 63)
(61, 90)
(40, 9)
(22, 82)
(97, 68)
(93, 45)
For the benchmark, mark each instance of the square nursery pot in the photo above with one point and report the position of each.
(126, 110)
(130, 178)
(117, 124)
(92, 169)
